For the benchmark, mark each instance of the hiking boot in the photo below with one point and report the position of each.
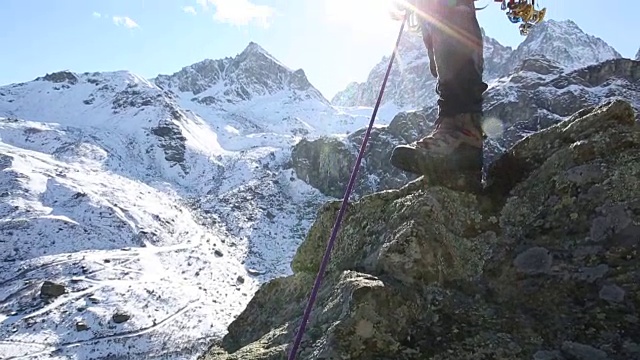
(450, 156)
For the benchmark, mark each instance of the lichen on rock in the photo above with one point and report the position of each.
(543, 265)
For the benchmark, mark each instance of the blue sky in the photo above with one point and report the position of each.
(334, 41)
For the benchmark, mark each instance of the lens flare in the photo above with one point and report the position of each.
(493, 127)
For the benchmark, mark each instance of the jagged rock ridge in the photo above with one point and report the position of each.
(541, 268)
(560, 41)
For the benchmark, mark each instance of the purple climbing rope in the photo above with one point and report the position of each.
(345, 201)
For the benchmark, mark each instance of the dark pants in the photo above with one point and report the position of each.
(453, 35)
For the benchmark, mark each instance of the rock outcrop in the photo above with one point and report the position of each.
(326, 163)
(544, 265)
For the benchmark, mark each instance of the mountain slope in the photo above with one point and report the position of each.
(409, 79)
(138, 122)
(180, 267)
(116, 246)
(496, 56)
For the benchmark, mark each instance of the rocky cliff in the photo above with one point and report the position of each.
(544, 265)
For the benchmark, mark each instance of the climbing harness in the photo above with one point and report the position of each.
(343, 207)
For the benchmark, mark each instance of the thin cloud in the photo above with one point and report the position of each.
(97, 15)
(189, 10)
(125, 21)
(239, 12)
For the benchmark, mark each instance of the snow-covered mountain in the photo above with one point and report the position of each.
(138, 216)
(252, 73)
(133, 211)
(561, 41)
(638, 55)
(410, 81)
(122, 108)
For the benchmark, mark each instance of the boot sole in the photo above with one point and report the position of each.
(461, 170)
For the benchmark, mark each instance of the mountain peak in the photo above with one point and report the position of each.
(253, 47)
(553, 46)
(638, 55)
(558, 24)
(254, 51)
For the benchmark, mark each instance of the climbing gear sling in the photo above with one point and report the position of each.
(524, 12)
(343, 207)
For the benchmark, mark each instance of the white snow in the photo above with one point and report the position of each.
(84, 229)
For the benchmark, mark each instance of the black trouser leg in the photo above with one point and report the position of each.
(457, 48)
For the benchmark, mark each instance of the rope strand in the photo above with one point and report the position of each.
(345, 201)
